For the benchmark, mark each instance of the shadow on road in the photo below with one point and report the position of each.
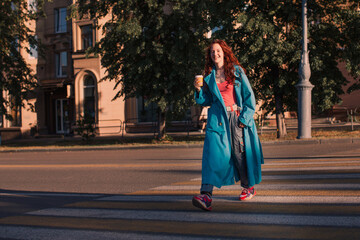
(14, 202)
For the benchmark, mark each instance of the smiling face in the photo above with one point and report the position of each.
(217, 55)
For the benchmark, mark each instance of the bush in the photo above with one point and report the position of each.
(85, 127)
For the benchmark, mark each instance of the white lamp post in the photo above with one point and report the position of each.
(304, 86)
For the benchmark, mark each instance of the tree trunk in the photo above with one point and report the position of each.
(280, 120)
(162, 124)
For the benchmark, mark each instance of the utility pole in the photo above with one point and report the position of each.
(304, 86)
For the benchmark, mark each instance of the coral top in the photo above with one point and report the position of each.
(227, 93)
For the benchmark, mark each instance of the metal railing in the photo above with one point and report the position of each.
(153, 126)
(352, 114)
(120, 125)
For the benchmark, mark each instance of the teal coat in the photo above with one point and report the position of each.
(218, 168)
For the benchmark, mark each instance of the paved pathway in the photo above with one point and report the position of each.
(299, 198)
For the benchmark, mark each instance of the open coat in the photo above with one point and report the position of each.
(218, 168)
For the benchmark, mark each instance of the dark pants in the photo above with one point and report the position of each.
(237, 152)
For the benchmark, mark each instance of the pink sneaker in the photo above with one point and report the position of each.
(202, 201)
(247, 194)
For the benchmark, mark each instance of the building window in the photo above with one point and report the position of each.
(89, 97)
(32, 6)
(86, 36)
(15, 112)
(33, 52)
(15, 47)
(60, 20)
(61, 64)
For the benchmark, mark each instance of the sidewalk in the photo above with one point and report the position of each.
(143, 140)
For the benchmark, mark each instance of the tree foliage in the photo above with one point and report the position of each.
(351, 43)
(268, 43)
(151, 48)
(16, 76)
(156, 55)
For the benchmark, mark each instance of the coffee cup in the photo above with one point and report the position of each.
(199, 80)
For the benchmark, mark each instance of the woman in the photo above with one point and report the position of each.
(232, 150)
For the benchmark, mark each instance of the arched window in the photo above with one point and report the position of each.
(89, 96)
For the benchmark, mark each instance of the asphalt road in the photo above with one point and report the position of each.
(125, 171)
(69, 195)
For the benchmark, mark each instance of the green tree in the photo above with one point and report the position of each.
(351, 44)
(267, 41)
(16, 76)
(155, 54)
(151, 49)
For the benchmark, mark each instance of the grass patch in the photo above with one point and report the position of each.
(315, 134)
(102, 142)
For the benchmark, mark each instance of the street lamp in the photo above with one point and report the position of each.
(304, 86)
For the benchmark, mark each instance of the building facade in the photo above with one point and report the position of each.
(69, 80)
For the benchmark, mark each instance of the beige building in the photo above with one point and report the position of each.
(69, 81)
(70, 85)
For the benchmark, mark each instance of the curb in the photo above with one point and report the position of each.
(173, 146)
(313, 141)
(94, 148)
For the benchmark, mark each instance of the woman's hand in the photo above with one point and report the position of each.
(241, 125)
(197, 84)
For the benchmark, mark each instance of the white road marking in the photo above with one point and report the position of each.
(295, 186)
(186, 216)
(38, 233)
(258, 198)
(264, 169)
(19, 194)
(311, 176)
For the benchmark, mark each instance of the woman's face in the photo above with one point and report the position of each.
(217, 54)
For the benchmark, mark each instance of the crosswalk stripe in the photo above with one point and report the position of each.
(353, 176)
(188, 228)
(321, 171)
(282, 186)
(19, 194)
(311, 164)
(148, 197)
(308, 160)
(19, 232)
(297, 163)
(222, 206)
(182, 216)
(295, 180)
(260, 192)
(311, 181)
(308, 168)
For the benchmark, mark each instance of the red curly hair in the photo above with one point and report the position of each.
(230, 61)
